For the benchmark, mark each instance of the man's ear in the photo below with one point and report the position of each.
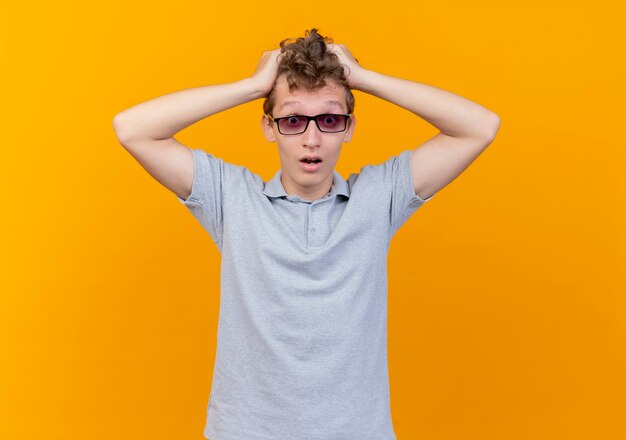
(268, 129)
(350, 130)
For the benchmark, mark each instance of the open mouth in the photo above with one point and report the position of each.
(311, 164)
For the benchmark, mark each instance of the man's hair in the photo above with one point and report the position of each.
(307, 63)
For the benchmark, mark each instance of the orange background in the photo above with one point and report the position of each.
(506, 291)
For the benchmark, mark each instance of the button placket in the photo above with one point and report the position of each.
(312, 234)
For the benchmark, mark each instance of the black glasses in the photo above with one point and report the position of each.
(326, 123)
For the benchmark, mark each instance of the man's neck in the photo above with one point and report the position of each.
(308, 194)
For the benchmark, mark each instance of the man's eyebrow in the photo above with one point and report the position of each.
(332, 103)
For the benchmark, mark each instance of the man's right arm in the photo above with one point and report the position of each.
(147, 130)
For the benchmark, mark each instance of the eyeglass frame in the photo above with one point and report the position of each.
(309, 119)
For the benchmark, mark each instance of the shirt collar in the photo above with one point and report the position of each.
(274, 188)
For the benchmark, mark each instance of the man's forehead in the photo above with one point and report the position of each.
(294, 103)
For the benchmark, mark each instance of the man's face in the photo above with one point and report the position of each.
(296, 178)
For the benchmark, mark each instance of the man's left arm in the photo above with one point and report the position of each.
(466, 128)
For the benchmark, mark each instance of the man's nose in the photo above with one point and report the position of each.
(312, 135)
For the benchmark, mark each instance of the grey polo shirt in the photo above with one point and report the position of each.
(302, 332)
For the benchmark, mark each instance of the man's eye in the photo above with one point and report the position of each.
(329, 119)
(293, 120)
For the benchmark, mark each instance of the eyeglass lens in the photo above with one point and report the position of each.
(297, 124)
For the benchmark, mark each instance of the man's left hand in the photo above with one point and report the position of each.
(352, 68)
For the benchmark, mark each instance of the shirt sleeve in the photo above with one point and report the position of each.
(206, 199)
(404, 201)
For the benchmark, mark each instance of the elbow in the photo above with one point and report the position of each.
(121, 129)
(493, 127)
(117, 122)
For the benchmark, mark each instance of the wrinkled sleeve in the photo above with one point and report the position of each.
(404, 201)
(206, 199)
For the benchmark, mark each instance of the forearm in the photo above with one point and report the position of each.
(451, 114)
(164, 116)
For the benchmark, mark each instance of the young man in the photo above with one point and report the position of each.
(302, 342)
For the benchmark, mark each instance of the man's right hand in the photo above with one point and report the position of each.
(264, 76)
